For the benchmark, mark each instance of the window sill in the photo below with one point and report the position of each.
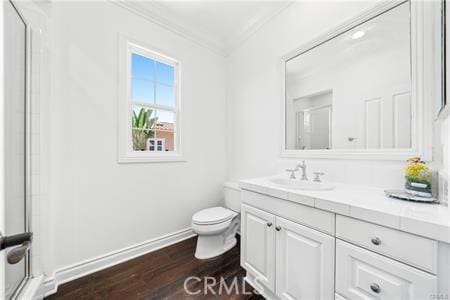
(132, 159)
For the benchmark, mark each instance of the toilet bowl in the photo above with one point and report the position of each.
(216, 227)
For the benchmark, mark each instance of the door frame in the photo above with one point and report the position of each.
(27, 137)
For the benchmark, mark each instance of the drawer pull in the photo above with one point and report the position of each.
(376, 241)
(269, 224)
(375, 288)
(278, 228)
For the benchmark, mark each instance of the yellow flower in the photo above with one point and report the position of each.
(417, 170)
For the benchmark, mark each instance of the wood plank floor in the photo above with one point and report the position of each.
(161, 275)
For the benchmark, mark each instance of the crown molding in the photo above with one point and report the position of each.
(157, 16)
(156, 13)
(253, 25)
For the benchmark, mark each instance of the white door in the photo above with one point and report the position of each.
(14, 153)
(363, 274)
(258, 244)
(304, 262)
(320, 134)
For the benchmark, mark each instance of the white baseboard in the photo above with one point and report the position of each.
(98, 263)
(33, 290)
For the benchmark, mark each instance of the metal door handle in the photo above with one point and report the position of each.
(17, 254)
(22, 240)
(15, 240)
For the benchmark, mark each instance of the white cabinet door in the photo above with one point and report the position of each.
(304, 262)
(258, 244)
(362, 274)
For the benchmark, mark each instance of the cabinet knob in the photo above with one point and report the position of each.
(269, 224)
(376, 241)
(375, 288)
(278, 228)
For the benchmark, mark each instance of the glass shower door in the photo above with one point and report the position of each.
(16, 184)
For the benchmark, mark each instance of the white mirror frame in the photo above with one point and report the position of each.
(424, 79)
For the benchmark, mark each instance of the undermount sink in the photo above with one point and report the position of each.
(302, 185)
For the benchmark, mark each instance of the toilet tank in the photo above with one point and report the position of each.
(232, 194)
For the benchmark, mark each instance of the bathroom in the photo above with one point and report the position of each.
(224, 150)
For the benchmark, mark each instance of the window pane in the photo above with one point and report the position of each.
(142, 91)
(165, 129)
(151, 145)
(143, 121)
(159, 146)
(165, 73)
(165, 116)
(165, 95)
(142, 67)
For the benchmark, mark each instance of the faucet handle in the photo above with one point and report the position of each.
(317, 177)
(292, 171)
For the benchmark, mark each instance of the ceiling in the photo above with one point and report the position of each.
(218, 25)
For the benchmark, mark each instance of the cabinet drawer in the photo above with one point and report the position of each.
(309, 216)
(411, 249)
(362, 274)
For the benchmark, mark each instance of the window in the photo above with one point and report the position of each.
(151, 101)
(156, 144)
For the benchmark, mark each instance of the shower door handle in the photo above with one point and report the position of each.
(21, 242)
(15, 255)
(15, 240)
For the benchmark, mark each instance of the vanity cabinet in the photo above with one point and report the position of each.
(293, 251)
(291, 260)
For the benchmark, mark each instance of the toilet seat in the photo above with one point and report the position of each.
(213, 215)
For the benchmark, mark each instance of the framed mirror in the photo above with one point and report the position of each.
(358, 91)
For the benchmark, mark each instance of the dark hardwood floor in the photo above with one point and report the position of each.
(161, 275)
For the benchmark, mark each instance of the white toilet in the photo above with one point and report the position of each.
(217, 226)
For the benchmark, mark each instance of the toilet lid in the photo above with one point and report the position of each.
(213, 215)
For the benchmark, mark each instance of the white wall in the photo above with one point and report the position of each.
(98, 205)
(254, 98)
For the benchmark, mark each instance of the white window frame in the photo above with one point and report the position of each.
(126, 154)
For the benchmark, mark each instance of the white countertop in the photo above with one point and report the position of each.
(365, 203)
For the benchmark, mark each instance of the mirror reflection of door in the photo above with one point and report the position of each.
(15, 72)
(314, 128)
(313, 117)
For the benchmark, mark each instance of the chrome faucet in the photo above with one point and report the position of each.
(303, 167)
(292, 171)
